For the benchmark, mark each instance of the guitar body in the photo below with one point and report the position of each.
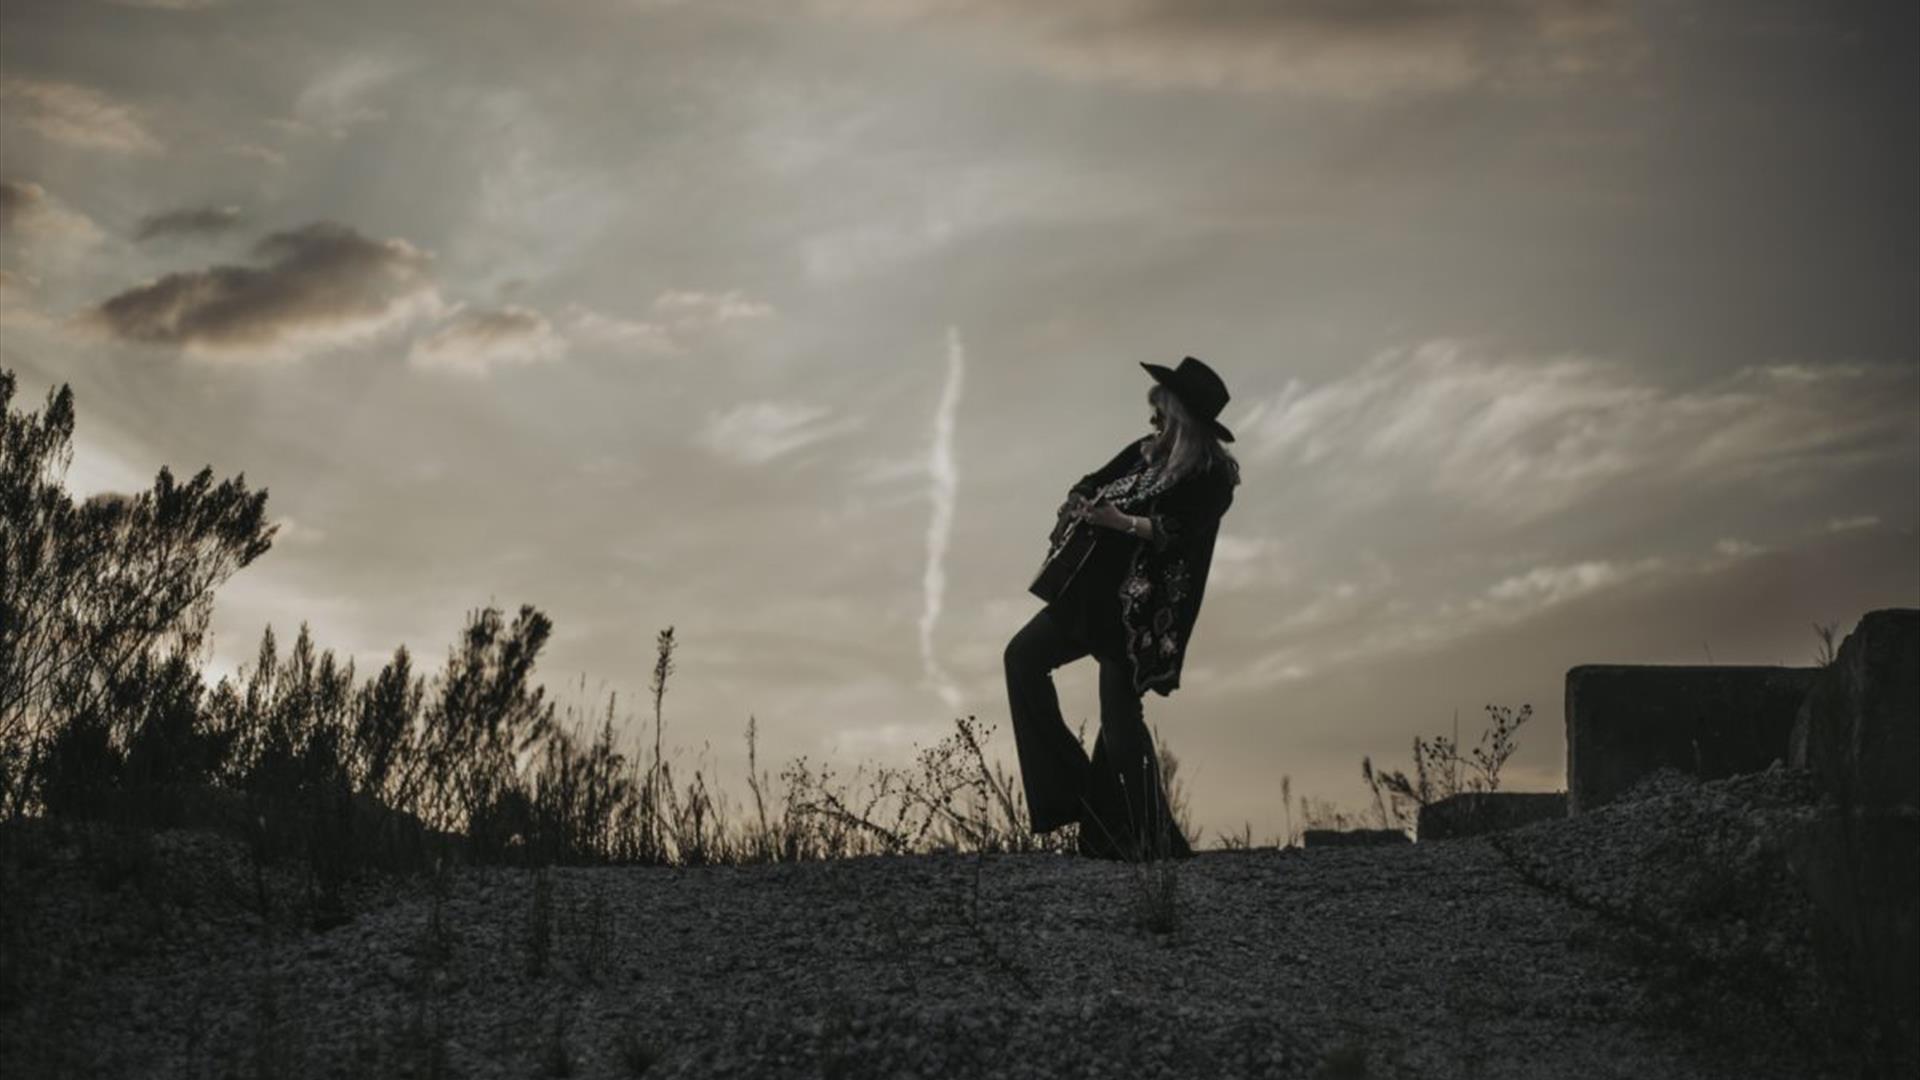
(1068, 553)
(1072, 540)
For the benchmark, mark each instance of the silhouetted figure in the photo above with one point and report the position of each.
(1123, 582)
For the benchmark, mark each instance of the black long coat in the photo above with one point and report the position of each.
(1165, 579)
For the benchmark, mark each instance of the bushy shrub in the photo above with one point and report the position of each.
(1440, 771)
(94, 595)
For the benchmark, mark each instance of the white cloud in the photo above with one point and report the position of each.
(759, 432)
(44, 238)
(912, 215)
(885, 471)
(692, 308)
(1272, 668)
(254, 151)
(534, 206)
(475, 342)
(20, 307)
(34, 214)
(1544, 586)
(1241, 562)
(1332, 605)
(294, 533)
(1846, 524)
(101, 469)
(1367, 619)
(681, 318)
(1524, 438)
(588, 326)
(76, 115)
(1519, 597)
(842, 253)
(340, 97)
(1808, 373)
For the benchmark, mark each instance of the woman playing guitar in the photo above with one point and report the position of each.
(1123, 579)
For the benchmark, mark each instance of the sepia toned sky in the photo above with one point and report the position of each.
(1557, 332)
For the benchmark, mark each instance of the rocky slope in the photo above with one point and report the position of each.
(1657, 938)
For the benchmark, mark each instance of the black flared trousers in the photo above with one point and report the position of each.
(1117, 796)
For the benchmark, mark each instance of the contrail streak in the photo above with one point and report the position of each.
(943, 479)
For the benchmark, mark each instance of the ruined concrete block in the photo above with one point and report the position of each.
(1476, 812)
(1858, 730)
(1353, 837)
(1858, 733)
(1861, 869)
(1626, 720)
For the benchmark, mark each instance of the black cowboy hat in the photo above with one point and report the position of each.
(1199, 388)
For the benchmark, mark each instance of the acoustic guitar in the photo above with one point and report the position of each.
(1068, 546)
(1072, 539)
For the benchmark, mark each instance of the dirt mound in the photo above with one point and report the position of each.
(1563, 951)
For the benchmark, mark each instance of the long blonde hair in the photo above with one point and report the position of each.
(1185, 443)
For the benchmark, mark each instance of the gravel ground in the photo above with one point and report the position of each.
(1569, 948)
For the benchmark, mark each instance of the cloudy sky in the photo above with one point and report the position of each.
(1557, 333)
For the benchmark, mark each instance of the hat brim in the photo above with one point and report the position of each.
(1163, 375)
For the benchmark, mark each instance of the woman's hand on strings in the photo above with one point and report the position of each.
(1107, 515)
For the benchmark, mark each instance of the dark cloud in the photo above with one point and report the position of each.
(1311, 46)
(170, 5)
(44, 234)
(321, 279)
(479, 341)
(1330, 19)
(474, 341)
(16, 197)
(195, 221)
(497, 325)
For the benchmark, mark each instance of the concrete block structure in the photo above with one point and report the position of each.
(1626, 720)
(1858, 732)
